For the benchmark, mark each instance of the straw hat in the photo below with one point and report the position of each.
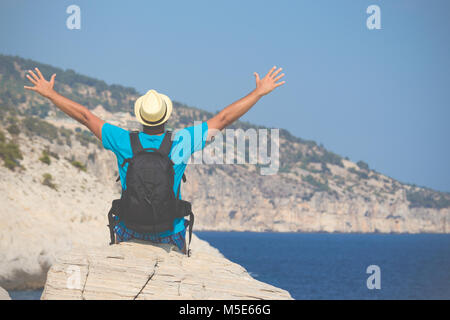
(153, 108)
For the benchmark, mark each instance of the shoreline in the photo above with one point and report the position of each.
(308, 244)
(31, 286)
(323, 232)
(202, 246)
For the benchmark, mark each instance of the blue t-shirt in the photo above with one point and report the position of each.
(185, 142)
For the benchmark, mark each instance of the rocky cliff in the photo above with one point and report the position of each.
(142, 271)
(4, 294)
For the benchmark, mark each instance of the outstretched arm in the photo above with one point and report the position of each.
(69, 107)
(235, 110)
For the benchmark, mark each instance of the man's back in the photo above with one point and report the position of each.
(185, 142)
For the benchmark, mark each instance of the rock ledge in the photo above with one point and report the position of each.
(138, 270)
(4, 294)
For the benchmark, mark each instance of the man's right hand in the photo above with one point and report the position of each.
(238, 108)
(269, 82)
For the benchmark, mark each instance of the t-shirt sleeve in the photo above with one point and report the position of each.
(115, 139)
(199, 134)
(189, 140)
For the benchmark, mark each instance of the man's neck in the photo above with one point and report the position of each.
(158, 130)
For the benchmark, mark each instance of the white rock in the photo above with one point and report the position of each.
(4, 294)
(140, 270)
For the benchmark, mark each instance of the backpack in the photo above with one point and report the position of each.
(148, 204)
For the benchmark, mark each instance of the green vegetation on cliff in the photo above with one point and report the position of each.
(9, 152)
(47, 180)
(316, 183)
(425, 198)
(41, 128)
(12, 92)
(77, 164)
(45, 157)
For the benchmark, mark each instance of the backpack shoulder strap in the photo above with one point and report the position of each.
(136, 145)
(166, 144)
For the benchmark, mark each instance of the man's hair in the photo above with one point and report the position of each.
(157, 128)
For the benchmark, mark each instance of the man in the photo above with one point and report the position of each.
(153, 110)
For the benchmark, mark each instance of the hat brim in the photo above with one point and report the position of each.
(137, 108)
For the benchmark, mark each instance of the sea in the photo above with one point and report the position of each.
(337, 266)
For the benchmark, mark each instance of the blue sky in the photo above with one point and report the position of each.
(381, 96)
